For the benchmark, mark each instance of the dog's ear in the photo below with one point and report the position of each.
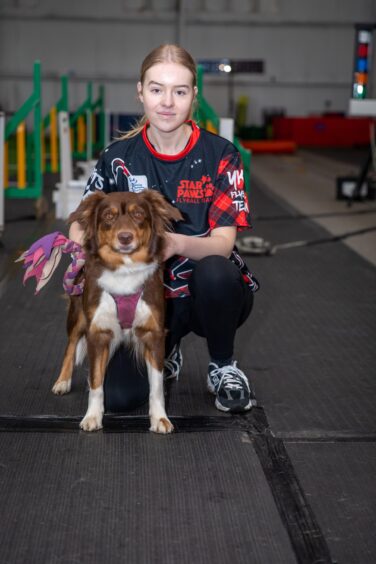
(86, 216)
(161, 208)
(84, 213)
(162, 214)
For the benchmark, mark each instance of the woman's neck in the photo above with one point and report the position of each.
(169, 143)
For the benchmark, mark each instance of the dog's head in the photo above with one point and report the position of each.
(125, 224)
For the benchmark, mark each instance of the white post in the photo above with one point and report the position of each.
(226, 128)
(66, 166)
(2, 187)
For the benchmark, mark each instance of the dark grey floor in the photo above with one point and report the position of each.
(293, 481)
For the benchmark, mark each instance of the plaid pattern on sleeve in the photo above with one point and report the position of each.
(230, 202)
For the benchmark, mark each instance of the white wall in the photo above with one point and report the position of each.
(307, 46)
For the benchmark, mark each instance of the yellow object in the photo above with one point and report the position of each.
(241, 111)
(21, 155)
(81, 134)
(42, 149)
(6, 164)
(210, 127)
(53, 140)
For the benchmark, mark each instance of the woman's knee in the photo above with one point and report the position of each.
(215, 276)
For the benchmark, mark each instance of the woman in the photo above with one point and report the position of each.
(209, 289)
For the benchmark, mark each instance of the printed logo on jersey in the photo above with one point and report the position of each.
(238, 196)
(136, 183)
(195, 191)
(95, 182)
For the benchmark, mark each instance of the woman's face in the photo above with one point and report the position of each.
(167, 94)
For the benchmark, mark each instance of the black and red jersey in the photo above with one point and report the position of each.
(205, 182)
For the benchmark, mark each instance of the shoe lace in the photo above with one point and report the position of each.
(172, 362)
(230, 377)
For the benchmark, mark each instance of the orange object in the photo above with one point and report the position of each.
(21, 155)
(270, 146)
(81, 134)
(210, 127)
(361, 78)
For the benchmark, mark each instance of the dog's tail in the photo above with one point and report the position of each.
(81, 351)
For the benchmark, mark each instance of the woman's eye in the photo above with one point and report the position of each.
(155, 90)
(181, 92)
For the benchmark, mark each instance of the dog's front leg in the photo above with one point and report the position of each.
(76, 325)
(159, 422)
(98, 351)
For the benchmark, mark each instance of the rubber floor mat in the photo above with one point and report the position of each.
(94, 498)
(338, 479)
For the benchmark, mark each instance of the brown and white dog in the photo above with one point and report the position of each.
(123, 244)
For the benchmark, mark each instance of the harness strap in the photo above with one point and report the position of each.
(126, 308)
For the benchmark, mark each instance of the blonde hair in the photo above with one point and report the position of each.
(166, 53)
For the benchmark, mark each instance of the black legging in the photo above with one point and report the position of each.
(219, 303)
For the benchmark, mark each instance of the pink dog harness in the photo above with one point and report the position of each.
(126, 308)
(42, 259)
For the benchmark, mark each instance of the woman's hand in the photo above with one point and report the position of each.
(76, 233)
(171, 247)
(221, 241)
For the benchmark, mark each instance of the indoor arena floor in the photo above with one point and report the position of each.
(293, 481)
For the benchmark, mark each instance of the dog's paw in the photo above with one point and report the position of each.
(161, 425)
(62, 387)
(91, 423)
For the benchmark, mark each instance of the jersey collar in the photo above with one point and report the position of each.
(189, 146)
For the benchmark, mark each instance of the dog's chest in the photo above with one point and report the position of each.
(126, 279)
(121, 305)
(106, 316)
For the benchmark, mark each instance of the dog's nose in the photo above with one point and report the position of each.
(125, 237)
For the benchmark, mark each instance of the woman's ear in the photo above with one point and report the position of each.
(195, 91)
(139, 92)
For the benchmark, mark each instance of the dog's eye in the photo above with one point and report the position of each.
(138, 215)
(108, 216)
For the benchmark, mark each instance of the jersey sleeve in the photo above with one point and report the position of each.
(99, 179)
(230, 205)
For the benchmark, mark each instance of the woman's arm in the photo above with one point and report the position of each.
(220, 242)
(76, 233)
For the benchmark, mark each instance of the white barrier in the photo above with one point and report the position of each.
(362, 107)
(67, 197)
(69, 192)
(226, 128)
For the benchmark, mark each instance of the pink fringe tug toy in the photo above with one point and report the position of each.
(43, 257)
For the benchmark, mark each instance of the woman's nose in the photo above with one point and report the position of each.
(168, 99)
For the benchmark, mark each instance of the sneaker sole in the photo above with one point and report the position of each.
(236, 408)
(211, 388)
